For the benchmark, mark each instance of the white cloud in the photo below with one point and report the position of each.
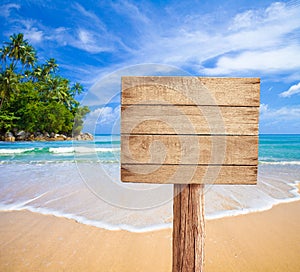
(103, 118)
(31, 29)
(108, 115)
(263, 108)
(104, 115)
(279, 120)
(91, 34)
(260, 40)
(282, 59)
(89, 15)
(281, 114)
(80, 38)
(295, 89)
(6, 9)
(130, 10)
(88, 41)
(244, 20)
(34, 35)
(59, 35)
(276, 11)
(84, 36)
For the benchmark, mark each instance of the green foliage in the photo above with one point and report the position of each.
(7, 120)
(78, 120)
(33, 97)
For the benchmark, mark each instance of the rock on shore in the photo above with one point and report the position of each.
(84, 137)
(9, 137)
(38, 136)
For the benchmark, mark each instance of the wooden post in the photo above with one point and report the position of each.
(209, 130)
(188, 228)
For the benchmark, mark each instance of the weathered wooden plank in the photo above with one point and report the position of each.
(188, 228)
(176, 149)
(188, 174)
(191, 91)
(160, 119)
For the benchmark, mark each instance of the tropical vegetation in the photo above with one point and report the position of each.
(34, 97)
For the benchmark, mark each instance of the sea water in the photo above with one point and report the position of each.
(81, 181)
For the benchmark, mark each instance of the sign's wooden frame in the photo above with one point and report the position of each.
(206, 126)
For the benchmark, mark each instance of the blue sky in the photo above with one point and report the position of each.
(96, 42)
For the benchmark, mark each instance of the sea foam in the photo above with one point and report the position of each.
(6, 151)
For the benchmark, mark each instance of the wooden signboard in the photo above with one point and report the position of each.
(189, 131)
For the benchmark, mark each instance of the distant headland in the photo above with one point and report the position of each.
(36, 102)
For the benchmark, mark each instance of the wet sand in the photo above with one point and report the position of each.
(263, 241)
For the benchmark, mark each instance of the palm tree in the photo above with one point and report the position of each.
(42, 73)
(37, 73)
(18, 50)
(8, 83)
(28, 59)
(51, 66)
(4, 51)
(76, 89)
(56, 88)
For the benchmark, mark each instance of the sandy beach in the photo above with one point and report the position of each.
(263, 241)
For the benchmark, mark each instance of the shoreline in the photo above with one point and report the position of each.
(261, 241)
(155, 227)
(133, 229)
(57, 188)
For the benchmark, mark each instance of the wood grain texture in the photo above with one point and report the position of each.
(189, 131)
(188, 228)
(191, 91)
(173, 127)
(159, 119)
(176, 149)
(188, 174)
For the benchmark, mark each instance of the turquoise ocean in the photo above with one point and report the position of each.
(81, 181)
